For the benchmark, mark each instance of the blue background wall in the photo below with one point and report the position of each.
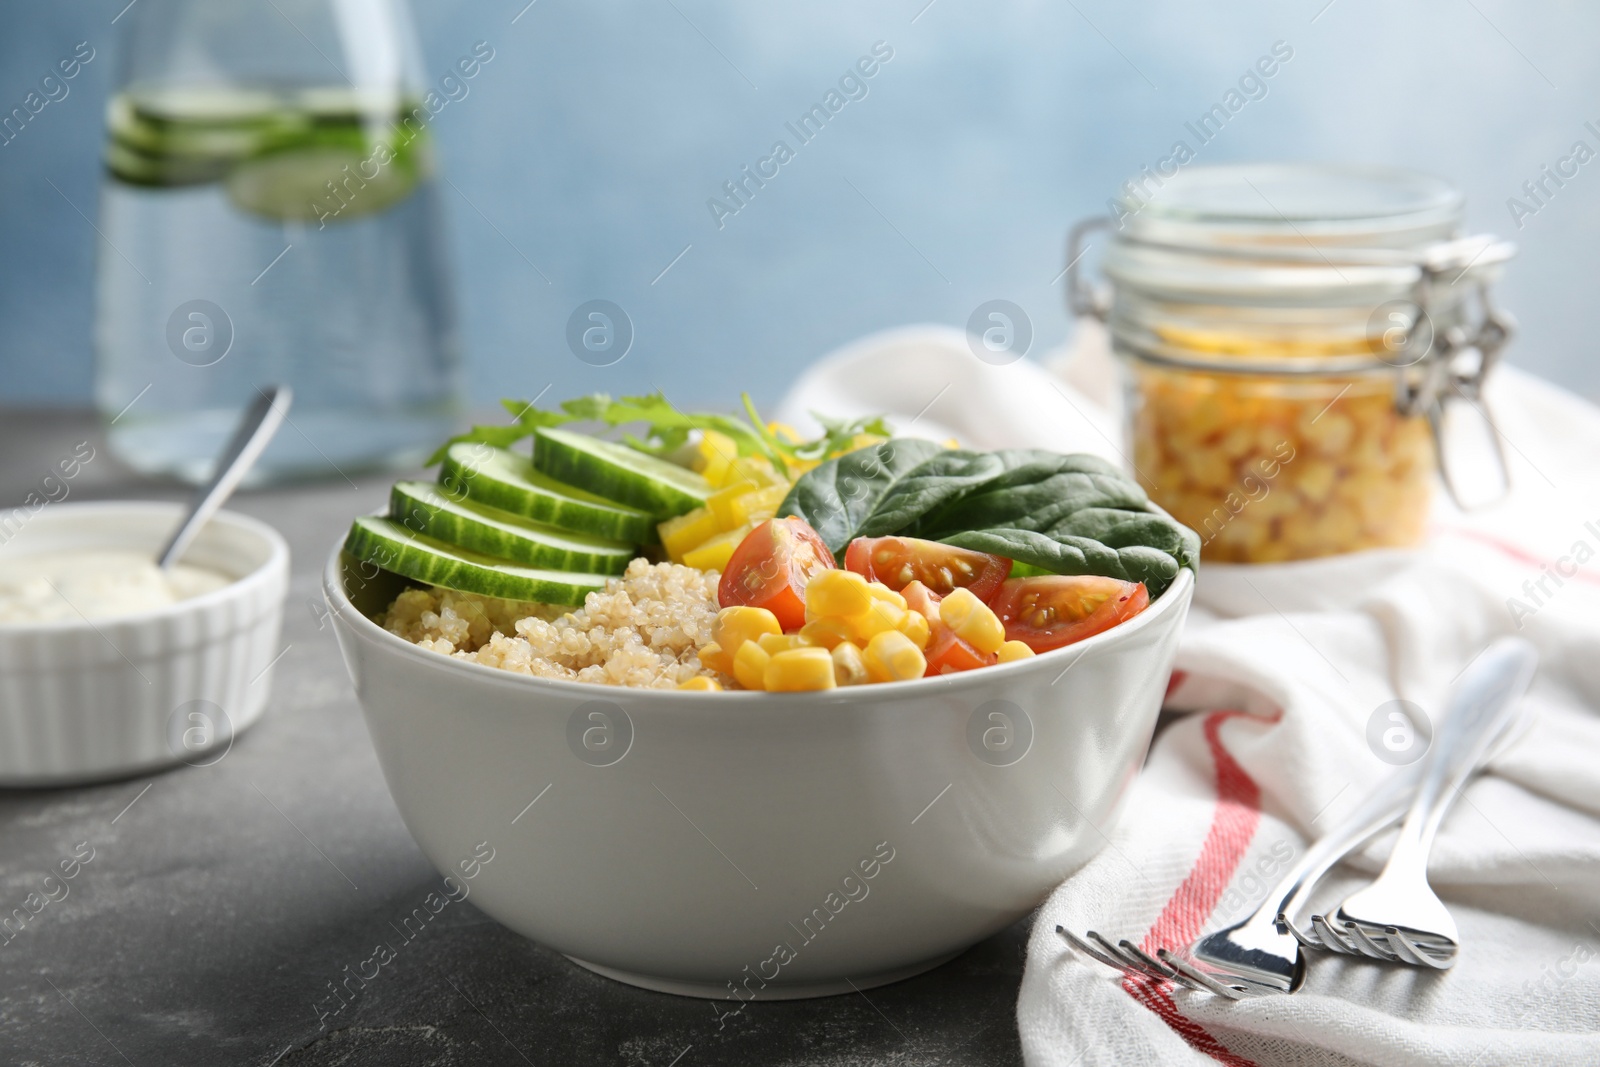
(594, 139)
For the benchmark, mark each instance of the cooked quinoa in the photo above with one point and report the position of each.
(644, 629)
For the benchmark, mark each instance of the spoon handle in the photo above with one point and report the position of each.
(261, 420)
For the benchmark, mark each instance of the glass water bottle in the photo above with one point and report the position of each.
(271, 214)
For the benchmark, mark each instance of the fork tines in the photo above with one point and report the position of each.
(1129, 958)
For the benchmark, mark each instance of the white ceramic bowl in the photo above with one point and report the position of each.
(82, 701)
(785, 844)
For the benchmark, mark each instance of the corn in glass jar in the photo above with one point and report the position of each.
(1290, 338)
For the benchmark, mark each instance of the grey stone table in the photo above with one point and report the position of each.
(221, 901)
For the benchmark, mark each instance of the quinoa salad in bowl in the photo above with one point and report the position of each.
(610, 652)
(718, 553)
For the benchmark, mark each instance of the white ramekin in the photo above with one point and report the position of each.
(83, 701)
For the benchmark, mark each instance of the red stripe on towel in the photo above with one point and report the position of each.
(1521, 555)
(1233, 824)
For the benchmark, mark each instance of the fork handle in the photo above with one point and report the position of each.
(1501, 674)
(1381, 810)
(1481, 706)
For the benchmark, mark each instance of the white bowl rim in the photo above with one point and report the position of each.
(277, 558)
(333, 590)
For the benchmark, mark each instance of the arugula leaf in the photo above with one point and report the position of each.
(837, 434)
(668, 429)
(836, 497)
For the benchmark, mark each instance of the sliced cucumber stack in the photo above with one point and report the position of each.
(423, 507)
(387, 544)
(618, 472)
(505, 480)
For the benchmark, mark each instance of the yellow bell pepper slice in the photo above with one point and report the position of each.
(714, 554)
(687, 531)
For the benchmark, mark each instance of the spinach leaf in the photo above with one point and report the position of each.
(1071, 554)
(940, 480)
(1122, 529)
(836, 497)
(1065, 514)
(1034, 497)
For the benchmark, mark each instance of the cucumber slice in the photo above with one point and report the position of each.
(505, 480)
(422, 507)
(387, 544)
(620, 473)
(292, 184)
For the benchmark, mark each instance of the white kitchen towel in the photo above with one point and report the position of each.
(1281, 670)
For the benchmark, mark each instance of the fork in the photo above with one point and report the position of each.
(1255, 957)
(1262, 955)
(1400, 907)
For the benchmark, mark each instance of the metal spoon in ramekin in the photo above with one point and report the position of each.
(250, 438)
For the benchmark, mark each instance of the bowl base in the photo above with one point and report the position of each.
(795, 991)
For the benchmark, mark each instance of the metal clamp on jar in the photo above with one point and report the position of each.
(1296, 339)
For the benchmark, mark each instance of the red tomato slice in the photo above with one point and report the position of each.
(1055, 610)
(920, 598)
(946, 653)
(770, 569)
(899, 561)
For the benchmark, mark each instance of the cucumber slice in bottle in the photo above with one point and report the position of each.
(420, 506)
(618, 472)
(385, 543)
(502, 479)
(293, 183)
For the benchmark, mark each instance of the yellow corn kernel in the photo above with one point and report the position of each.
(880, 617)
(687, 531)
(882, 592)
(701, 683)
(775, 643)
(834, 594)
(973, 621)
(827, 633)
(1011, 650)
(750, 665)
(915, 625)
(891, 657)
(736, 625)
(848, 666)
(799, 670)
(713, 456)
(714, 554)
(717, 658)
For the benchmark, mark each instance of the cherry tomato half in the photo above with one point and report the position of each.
(899, 561)
(1055, 610)
(945, 652)
(920, 598)
(770, 569)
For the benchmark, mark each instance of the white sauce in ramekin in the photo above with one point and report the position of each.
(95, 584)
